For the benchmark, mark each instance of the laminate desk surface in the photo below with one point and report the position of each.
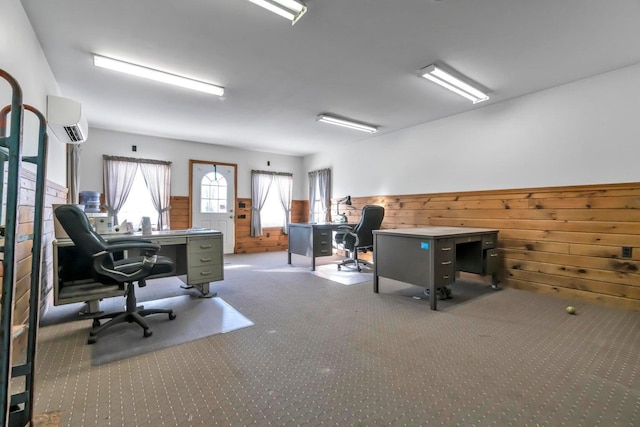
(430, 256)
(437, 231)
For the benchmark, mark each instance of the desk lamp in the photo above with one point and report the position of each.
(342, 218)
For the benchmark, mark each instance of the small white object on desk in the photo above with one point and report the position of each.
(146, 226)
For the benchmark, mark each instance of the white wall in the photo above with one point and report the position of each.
(21, 56)
(585, 132)
(178, 152)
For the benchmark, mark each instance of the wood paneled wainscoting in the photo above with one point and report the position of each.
(566, 241)
(54, 194)
(272, 239)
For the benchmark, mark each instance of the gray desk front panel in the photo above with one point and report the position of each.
(403, 258)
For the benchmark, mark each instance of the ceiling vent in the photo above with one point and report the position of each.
(65, 119)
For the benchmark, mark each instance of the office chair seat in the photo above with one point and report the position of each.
(110, 267)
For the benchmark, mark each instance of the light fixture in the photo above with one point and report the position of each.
(290, 9)
(455, 84)
(342, 218)
(339, 121)
(160, 76)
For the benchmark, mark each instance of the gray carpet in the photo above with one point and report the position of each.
(195, 318)
(324, 354)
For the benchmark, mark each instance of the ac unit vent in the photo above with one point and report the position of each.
(73, 133)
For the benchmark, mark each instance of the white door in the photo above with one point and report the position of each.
(213, 200)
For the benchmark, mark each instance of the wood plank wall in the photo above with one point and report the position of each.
(565, 241)
(179, 213)
(55, 194)
(273, 239)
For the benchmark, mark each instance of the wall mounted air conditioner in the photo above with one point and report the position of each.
(65, 119)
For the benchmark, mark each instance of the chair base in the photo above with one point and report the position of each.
(133, 314)
(357, 262)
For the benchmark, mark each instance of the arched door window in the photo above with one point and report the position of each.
(213, 191)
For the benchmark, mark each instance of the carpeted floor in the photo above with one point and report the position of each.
(321, 353)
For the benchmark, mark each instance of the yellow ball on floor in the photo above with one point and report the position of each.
(571, 310)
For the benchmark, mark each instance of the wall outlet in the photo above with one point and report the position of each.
(627, 252)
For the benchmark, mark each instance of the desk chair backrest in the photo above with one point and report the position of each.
(77, 226)
(372, 216)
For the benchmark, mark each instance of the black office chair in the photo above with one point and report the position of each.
(109, 270)
(360, 238)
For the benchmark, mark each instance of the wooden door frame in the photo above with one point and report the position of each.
(235, 193)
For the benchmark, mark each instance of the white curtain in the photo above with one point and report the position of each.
(319, 186)
(260, 184)
(73, 165)
(118, 178)
(284, 184)
(157, 176)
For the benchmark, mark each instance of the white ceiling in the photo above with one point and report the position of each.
(354, 58)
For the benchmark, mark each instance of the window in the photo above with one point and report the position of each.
(317, 207)
(138, 204)
(270, 200)
(272, 213)
(319, 202)
(213, 193)
(135, 188)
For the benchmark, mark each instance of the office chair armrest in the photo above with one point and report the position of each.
(142, 245)
(347, 237)
(127, 239)
(341, 231)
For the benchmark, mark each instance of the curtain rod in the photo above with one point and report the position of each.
(272, 173)
(135, 160)
(321, 170)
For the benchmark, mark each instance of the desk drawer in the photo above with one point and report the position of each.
(445, 251)
(204, 274)
(167, 241)
(199, 245)
(322, 242)
(489, 241)
(204, 258)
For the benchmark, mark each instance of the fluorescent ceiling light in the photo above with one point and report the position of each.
(290, 9)
(160, 76)
(454, 84)
(338, 121)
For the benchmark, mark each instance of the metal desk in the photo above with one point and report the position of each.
(430, 256)
(197, 256)
(311, 240)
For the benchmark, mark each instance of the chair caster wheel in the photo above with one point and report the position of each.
(92, 340)
(172, 316)
(339, 268)
(95, 323)
(148, 333)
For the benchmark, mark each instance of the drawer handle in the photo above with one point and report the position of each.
(323, 242)
(446, 249)
(205, 259)
(446, 262)
(324, 251)
(493, 255)
(205, 246)
(205, 273)
(323, 234)
(489, 242)
(446, 276)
